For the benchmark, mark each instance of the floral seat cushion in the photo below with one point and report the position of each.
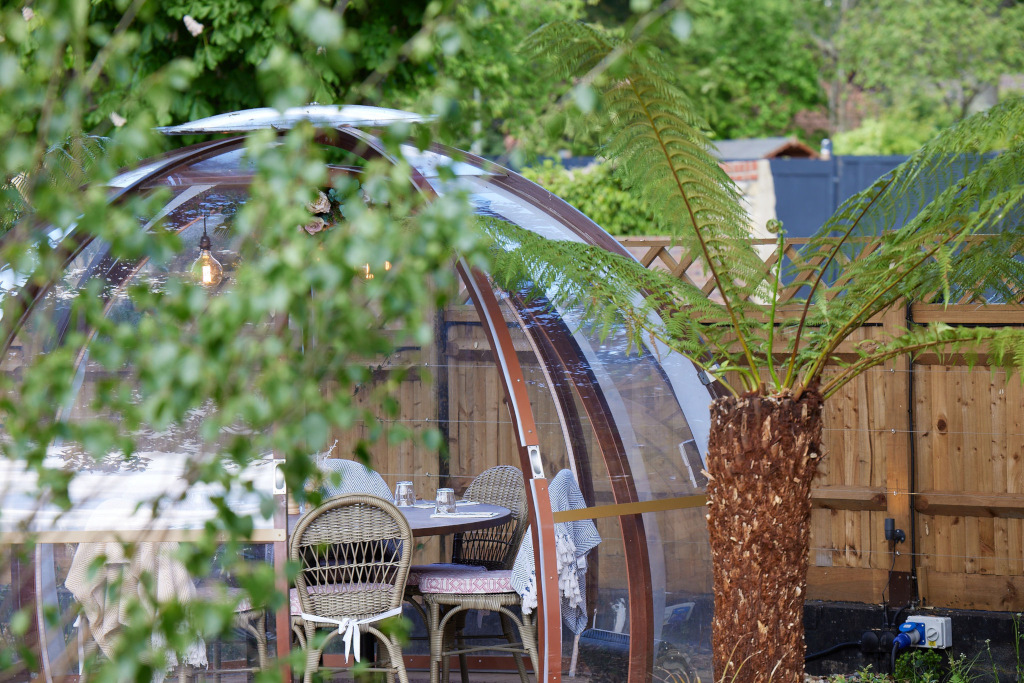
(418, 570)
(293, 594)
(466, 581)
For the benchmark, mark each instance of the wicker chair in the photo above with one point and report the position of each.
(250, 620)
(355, 478)
(493, 549)
(455, 592)
(354, 553)
(496, 547)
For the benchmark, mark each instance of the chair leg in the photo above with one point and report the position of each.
(460, 644)
(312, 665)
(436, 640)
(261, 641)
(300, 635)
(447, 645)
(418, 606)
(384, 656)
(255, 624)
(528, 633)
(397, 663)
(506, 627)
(312, 655)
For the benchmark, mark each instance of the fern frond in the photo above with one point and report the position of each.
(614, 293)
(664, 156)
(923, 214)
(1003, 346)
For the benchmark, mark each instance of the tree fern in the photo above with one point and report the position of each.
(922, 216)
(910, 236)
(664, 155)
(67, 166)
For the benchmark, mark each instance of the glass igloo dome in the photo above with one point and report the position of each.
(515, 380)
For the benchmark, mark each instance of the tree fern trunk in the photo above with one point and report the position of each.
(762, 455)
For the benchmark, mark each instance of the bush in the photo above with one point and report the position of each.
(596, 191)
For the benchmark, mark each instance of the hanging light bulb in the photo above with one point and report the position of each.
(368, 274)
(206, 270)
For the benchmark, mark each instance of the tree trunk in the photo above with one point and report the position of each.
(762, 455)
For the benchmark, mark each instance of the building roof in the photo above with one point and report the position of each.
(763, 148)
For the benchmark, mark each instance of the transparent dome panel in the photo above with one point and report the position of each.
(66, 584)
(629, 441)
(649, 440)
(115, 491)
(148, 497)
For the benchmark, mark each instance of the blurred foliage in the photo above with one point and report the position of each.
(454, 59)
(808, 68)
(940, 56)
(747, 66)
(894, 134)
(73, 68)
(743, 64)
(919, 666)
(598, 192)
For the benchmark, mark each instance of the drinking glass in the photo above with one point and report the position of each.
(445, 501)
(404, 494)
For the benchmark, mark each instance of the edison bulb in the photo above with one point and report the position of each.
(206, 270)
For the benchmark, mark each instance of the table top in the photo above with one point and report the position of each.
(422, 524)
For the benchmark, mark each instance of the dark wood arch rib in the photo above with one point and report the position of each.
(558, 337)
(569, 416)
(553, 334)
(542, 525)
(520, 412)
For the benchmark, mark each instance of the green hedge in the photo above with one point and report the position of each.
(596, 192)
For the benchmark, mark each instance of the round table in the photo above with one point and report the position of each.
(422, 524)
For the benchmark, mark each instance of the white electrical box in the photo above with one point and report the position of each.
(938, 631)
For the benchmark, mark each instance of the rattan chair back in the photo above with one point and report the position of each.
(354, 553)
(496, 547)
(354, 477)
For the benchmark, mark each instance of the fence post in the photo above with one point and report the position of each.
(898, 481)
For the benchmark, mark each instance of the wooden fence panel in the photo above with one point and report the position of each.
(950, 470)
(936, 445)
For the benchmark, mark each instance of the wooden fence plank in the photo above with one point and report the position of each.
(843, 498)
(969, 314)
(965, 591)
(851, 584)
(987, 505)
(894, 396)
